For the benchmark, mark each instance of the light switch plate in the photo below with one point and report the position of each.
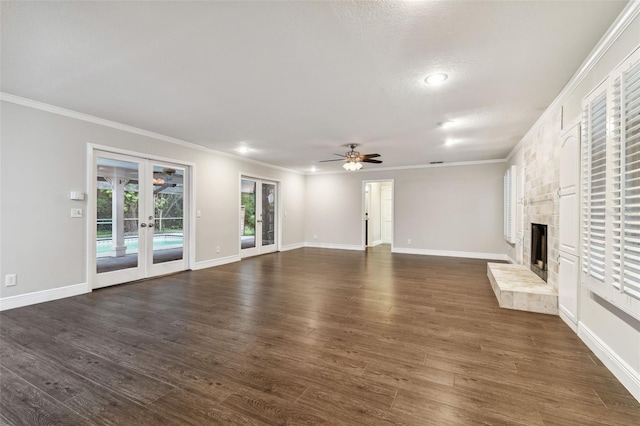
(10, 280)
(76, 195)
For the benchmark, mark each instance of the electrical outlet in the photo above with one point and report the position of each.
(10, 280)
(217, 249)
(198, 213)
(76, 212)
(315, 236)
(409, 241)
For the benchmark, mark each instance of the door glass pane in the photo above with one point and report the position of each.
(117, 209)
(168, 215)
(248, 214)
(268, 214)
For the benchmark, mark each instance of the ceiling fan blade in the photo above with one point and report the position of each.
(369, 156)
(340, 155)
(326, 161)
(367, 160)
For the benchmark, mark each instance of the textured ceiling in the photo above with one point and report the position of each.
(296, 82)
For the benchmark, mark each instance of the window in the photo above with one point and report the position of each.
(610, 206)
(625, 137)
(509, 204)
(594, 153)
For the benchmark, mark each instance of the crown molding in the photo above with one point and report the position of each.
(7, 97)
(630, 12)
(420, 166)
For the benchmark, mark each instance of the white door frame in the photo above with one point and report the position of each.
(393, 209)
(189, 203)
(278, 184)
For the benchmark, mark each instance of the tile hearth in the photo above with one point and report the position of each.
(516, 287)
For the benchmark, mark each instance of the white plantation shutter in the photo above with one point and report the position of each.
(507, 205)
(594, 180)
(610, 188)
(626, 182)
(510, 204)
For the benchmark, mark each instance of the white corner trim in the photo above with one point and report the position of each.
(629, 378)
(292, 247)
(566, 317)
(510, 260)
(376, 243)
(27, 299)
(215, 262)
(451, 253)
(334, 246)
(630, 12)
(7, 97)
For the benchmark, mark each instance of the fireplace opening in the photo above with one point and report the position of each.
(539, 250)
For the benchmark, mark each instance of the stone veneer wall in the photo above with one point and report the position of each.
(541, 157)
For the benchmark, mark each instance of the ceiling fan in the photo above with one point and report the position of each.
(353, 159)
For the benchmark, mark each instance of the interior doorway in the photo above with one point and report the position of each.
(378, 213)
(258, 216)
(140, 211)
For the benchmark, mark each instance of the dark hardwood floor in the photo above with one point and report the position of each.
(310, 336)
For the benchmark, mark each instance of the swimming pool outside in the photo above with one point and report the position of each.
(160, 242)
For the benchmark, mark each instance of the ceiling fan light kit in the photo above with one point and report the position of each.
(352, 166)
(353, 159)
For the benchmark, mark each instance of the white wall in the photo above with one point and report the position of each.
(613, 335)
(441, 209)
(44, 156)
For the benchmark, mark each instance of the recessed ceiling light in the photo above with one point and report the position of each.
(313, 169)
(450, 142)
(436, 78)
(445, 124)
(243, 150)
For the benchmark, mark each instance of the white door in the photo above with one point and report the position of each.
(569, 222)
(140, 215)
(386, 199)
(258, 216)
(568, 277)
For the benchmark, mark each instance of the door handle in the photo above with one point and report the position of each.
(143, 225)
(151, 225)
(259, 221)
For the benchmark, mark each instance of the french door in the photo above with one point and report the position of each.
(141, 218)
(258, 216)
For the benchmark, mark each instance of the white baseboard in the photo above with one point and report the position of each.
(510, 260)
(292, 247)
(450, 253)
(333, 246)
(567, 318)
(629, 378)
(215, 262)
(27, 299)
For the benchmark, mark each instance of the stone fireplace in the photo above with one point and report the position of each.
(539, 264)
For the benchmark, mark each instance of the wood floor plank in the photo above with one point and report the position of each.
(191, 409)
(113, 376)
(23, 404)
(309, 336)
(87, 398)
(269, 409)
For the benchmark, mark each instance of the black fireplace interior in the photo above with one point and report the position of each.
(539, 250)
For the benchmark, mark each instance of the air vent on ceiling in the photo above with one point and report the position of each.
(436, 162)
